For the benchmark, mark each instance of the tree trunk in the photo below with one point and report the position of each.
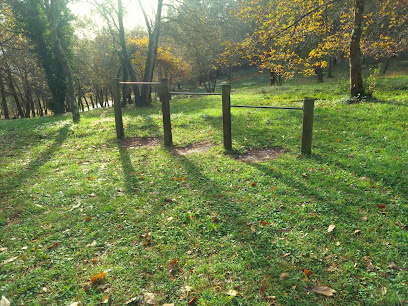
(329, 73)
(14, 92)
(3, 97)
(319, 72)
(356, 80)
(272, 77)
(63, 59)
(92, 102)
(40, 109)
(124, 86)
(125, 54)
(151, 56)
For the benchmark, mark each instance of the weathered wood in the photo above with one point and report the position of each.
(194, 93)
(307, 131)
(120, 134)
(226, 116)
(165, 100)
(140, 83)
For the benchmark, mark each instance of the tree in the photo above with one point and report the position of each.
(300, 35)
(154, 32)
(47, 25)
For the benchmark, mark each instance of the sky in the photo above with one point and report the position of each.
(133, 14)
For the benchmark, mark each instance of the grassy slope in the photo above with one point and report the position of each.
(75, 203)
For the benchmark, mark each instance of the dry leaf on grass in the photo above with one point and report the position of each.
(8, 261)
(150, 298)
(4, 301)
(331, 228)
(284, 276)
(323, 290)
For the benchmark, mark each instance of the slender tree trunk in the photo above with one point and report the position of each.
(14, 92)
(92, 102)
(356, 80)
(124, 86)
(85, 99)
(125, 54)
(40, 109)
(3, 97)
(329, 73)
(45, 103)
(151, 56)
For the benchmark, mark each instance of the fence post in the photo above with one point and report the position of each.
(226, 116)
(307, 132)
(165, 100)
(118, 109)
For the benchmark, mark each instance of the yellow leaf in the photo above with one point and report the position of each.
(331, 228)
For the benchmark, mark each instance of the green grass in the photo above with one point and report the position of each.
(75, 202)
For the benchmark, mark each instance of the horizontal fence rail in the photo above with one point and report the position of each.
(272, 107)
(175, 93)
(140, 83)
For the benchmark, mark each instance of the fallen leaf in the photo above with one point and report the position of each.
(383, 290)
(284, 276)
(253, 184)
(307, 272)
(91, 178)
(75, 304)
(9, 260)
(323, 290)
(283, 230)
(149, 298)
(364, 218)
(105, 299)
(338, 243)
(370, 266)
(331, 228)
(3, 249)
(232, 293)
(381, 206)
(96, 278)
(93, 244)
(173, 266)
(253, 229)
(4, 301)
(91, 195)
(264, 223)
(54, 245)
(357, 232)
(75, 207)
(134, 299)
(172, 304)
(181, 179)
(192, 301)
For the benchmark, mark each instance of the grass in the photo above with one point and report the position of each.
(75, 203)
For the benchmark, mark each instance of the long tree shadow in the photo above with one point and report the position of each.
(13, 182)
(232, 216)
(129, 172)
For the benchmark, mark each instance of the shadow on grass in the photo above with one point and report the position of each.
(10, 185)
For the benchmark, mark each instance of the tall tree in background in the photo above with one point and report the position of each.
(356, 79)
(153, 32)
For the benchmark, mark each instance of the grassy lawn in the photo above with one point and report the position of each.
(196, 225)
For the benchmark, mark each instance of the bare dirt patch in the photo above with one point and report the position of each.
(137, 142)
(258, 155)
(194, 148)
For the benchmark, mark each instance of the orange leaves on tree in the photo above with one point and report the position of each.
(98, 277)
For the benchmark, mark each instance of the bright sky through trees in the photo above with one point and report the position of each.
(133, 13)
